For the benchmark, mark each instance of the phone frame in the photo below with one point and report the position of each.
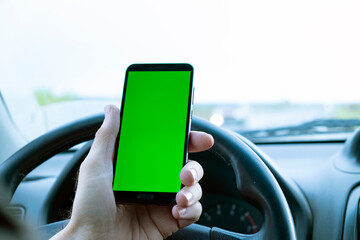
(158, 198)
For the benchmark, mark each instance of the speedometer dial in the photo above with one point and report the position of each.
(232, 216)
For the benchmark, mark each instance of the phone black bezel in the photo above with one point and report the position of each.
(158, 198)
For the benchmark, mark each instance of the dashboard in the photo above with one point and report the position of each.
(309, 165)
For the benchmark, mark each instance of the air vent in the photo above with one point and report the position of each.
(17, 212)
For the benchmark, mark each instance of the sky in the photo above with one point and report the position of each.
(242, 51)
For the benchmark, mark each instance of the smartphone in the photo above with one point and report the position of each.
(152, 143)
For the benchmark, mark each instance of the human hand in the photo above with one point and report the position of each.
(95, 213)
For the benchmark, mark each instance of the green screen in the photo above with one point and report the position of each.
(153, 131)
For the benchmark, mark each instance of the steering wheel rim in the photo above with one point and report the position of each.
(254, 180)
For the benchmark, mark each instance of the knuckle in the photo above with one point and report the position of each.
(102, 132)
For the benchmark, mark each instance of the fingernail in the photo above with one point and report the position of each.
(107, 110)
(182, 211)
(193, 173)
(188, 195)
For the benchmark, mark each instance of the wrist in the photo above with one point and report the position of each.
(63, 234)
(79, 231)
(71, 232)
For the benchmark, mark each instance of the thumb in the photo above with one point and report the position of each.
(101, 152)
(95, 175)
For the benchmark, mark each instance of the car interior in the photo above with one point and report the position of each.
(246, 191)
(276, 86)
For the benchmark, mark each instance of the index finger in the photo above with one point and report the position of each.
(200, 141)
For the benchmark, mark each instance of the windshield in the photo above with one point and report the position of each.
(259, 65)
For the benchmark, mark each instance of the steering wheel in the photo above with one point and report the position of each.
(254, 181)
